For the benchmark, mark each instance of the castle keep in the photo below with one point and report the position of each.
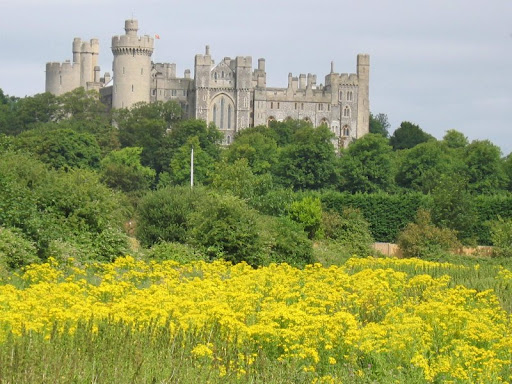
(231, 93)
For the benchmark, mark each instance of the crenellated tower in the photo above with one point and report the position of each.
(131, 67)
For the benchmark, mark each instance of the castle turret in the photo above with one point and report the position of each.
(131, 67)
(363, 96)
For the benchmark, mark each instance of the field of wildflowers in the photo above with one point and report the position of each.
(368, 320)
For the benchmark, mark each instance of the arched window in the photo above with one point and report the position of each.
(229, 119)
(215, 75)
(221, 125)
(346, 130)
(324, 122)
(270, 119)
(229, 139)
(215, 114)
(346, 112)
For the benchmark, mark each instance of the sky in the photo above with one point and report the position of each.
(436, 63)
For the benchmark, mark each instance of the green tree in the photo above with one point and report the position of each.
(455, 139)
(308, 213)
(283, 132)
(181, 163)
(61, 148)
(15, 250)
(239, 179)
(501, 236)
(452, 206)
(408, 135)
(309, 161)
(379, 124)
(421, 166)
(484, 167)
(123, 170)
(367, 165)
(260, 151)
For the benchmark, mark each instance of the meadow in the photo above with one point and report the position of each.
(366, 320)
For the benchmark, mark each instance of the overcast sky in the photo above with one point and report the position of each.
(441, 64)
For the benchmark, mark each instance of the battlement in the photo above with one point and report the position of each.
(66, 66)
(132, 45)
(244, 61)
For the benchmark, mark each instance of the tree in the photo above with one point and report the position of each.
(181, 167)
(408, 135)
(28, 111)
(283, 131)
(367, 166)
(452, 206)
(308, 213)
(61, 148)
(239, 179)
(421, 166)
(455, 139)
(309, 161)
(484, 167)
(379, 124)
(260, 151)
(145, 125)
(122, 170)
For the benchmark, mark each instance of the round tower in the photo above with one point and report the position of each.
(131, 67)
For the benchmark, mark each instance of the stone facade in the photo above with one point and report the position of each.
(231, 93)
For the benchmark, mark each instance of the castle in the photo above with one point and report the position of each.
(231, 93)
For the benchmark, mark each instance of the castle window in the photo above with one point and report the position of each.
(132, 87)
(301, 105)
(340, 96)
(346, 112)
(328, 107)
(320, 107)
(295, 105)
(349, 96)
(229, 139)
(222, 75)
(221, 126)
(60, 80)
(271, 105)
(215, 113)
(154, 92)
(277, 105)
(229, 119)
(123, 70)
(345, 131)
(215, 75)
(173, 92)
(142, 71)
(184, 92)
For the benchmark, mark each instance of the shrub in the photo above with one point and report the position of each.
(308, 213)
(15, 250)
(181, 253)
(286, 242)
(223, 226)
(350, 229)
(423, 239)
(501, 236)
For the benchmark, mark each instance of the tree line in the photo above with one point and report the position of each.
(74, 175)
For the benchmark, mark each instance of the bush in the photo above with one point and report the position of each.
(501, 236)
(225, 227)
(15, 250)
(181, 253)
(163, 215)
(286, 242)
(423, 239)
(349, 229)
(308, 213)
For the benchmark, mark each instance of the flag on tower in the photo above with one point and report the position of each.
(157, 36)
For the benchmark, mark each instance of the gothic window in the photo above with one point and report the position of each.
(229, 119)
(345, 130)
(346, 112)
(349, 96)
(229, 139)
(222, 75)
(271, 119)
(173, 92)
(215, 114)
(324, 122)
(221, 126)
(215, 75)
(320, 107)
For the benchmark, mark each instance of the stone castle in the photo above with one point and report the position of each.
(231, 93)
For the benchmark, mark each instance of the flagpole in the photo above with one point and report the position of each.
(192, 168)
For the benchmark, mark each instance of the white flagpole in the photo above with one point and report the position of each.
(192, 168)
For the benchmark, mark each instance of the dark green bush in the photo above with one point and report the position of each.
(423, 239)
(181, 253)
(15, 250)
